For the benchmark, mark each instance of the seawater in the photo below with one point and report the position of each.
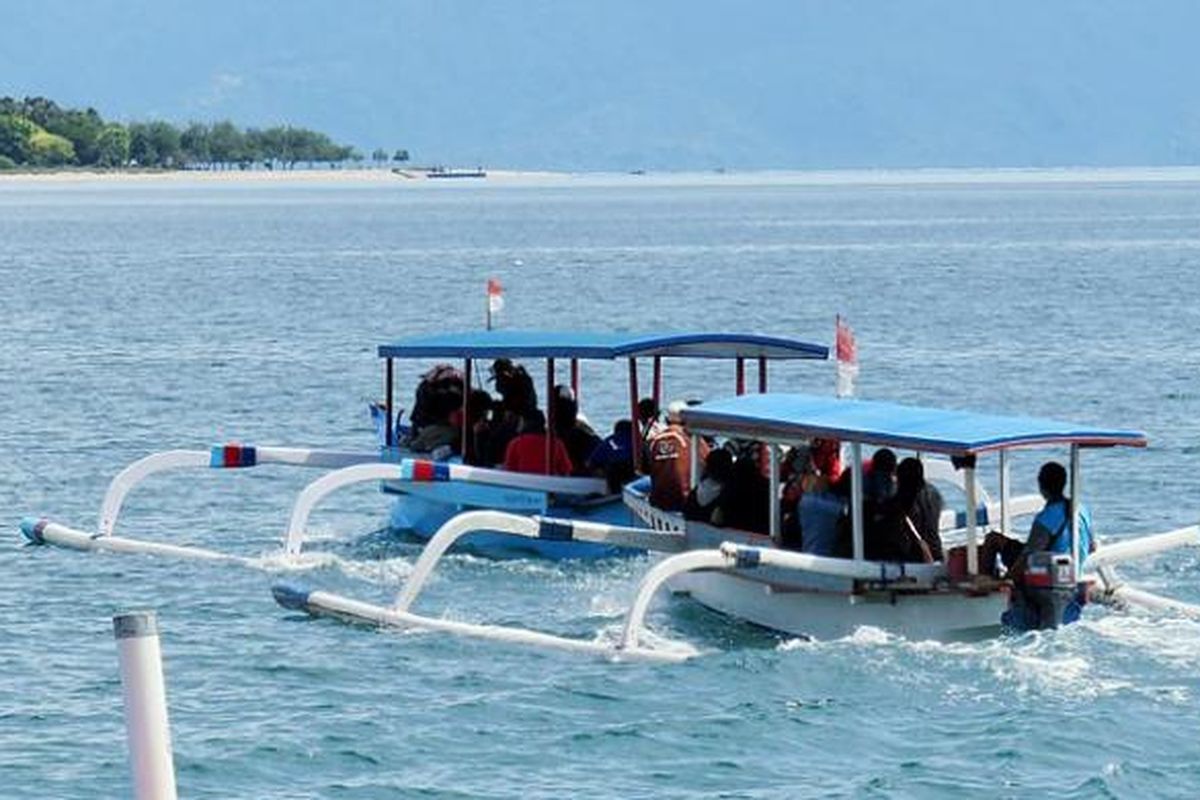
(143, 317)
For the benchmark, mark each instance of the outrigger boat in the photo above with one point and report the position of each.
(748, 576)
(428, 493)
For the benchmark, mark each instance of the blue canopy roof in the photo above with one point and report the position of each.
(782, 417)
(599, 345)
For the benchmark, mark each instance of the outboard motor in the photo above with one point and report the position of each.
(1048, 595)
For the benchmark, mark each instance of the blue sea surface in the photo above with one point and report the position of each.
(151, 316)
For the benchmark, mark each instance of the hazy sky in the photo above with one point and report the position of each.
(622, 84)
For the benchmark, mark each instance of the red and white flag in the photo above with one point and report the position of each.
(495, 299)
(847, 358)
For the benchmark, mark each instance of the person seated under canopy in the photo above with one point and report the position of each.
(669, 461)
(904, 526)
(434, 424)
(575, 433)
(527, 452)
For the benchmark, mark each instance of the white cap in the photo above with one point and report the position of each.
(675, 410)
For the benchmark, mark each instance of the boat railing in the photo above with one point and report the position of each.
(656, 518)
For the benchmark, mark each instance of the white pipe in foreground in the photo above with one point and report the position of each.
(146, 725)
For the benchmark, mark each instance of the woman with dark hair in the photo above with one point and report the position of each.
(576, 434)
(905, 527)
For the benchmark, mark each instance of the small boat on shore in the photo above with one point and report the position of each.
(455, 172)
(749, 576)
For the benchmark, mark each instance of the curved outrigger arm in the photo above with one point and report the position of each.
(230, 456)
(420, 471)
(316, 491)
(535, 527)
(1117, 592)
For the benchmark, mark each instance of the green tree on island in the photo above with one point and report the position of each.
(37, 132)
(112, 146)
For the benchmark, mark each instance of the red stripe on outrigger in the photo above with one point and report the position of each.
(429, 471)
(234, 456)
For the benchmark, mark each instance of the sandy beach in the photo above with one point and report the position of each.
(259, 176)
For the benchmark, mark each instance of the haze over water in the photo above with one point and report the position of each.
(143, 317)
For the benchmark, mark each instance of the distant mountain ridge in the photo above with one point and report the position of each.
(664, 85)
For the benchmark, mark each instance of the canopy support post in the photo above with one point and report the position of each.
(575, 379)
(776, 516)
(1005, 490)
(856, 500)
(693, 461)
(636, 428)
(762, 374)
(1076, 486)
(741, 375)
(549, 415)
(466, 415)
(972, 517)
(389, 435)
(656, 390)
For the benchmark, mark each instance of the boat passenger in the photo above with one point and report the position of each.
(879, 476)
(925, 510)
(435, 436)
(527, 452)
(827, 458)
(612, 457)
(575, 433)
(514, 386)
(438, 396)
(822, 512)
(517, 396)
(479, 415)
(669, 461)
(1050, 533)
(705, 503)
(794, 473)
(748, 506)
(1051, 529)
(649, 421)
(905, 526)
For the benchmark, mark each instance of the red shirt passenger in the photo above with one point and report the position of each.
(527, 452)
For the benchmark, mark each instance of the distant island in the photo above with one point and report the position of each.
(37, 133)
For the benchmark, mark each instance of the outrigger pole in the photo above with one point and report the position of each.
(230, 456)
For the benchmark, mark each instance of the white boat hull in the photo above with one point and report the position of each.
(938, 615)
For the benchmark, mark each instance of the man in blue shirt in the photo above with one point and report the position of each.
(1051, 531)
